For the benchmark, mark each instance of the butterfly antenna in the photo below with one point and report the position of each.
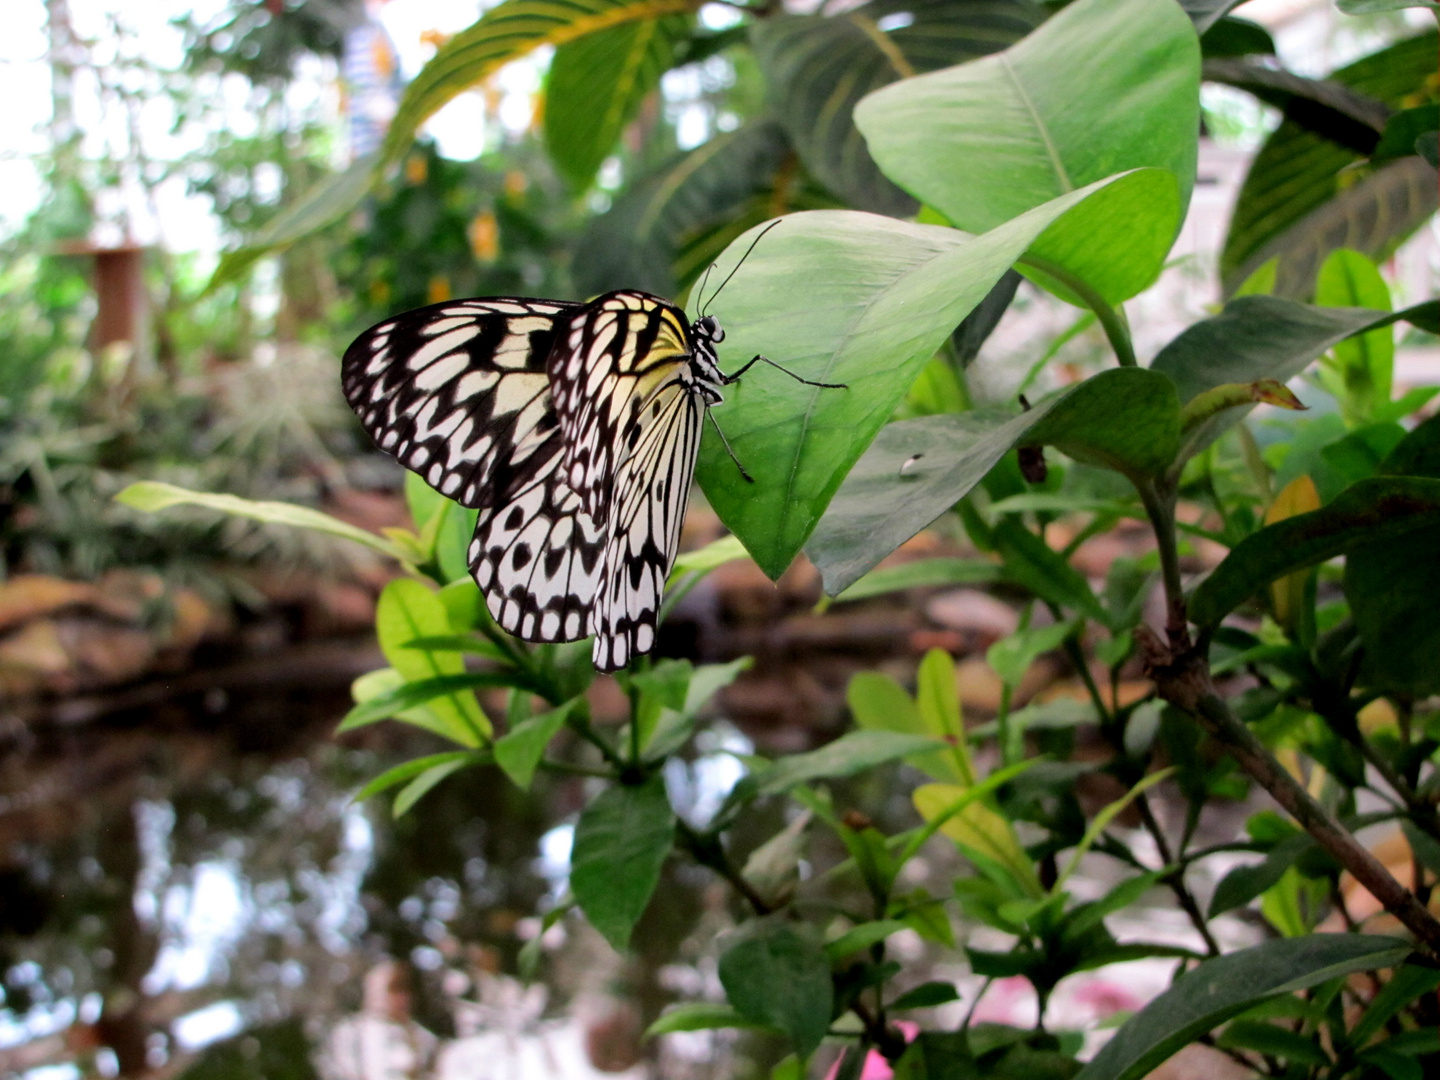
(701, 290)
(740, 263)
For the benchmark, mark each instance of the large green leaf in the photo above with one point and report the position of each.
(1282, 210)
(817, 67)
(504, 33)
(595, 86)
(1265, 337)
(776, 974)
(1367, 512)
(1104, 86)
(621, 842)
(1221, 988)
(747, 175)
(1326, 107)
(327, 201)
(152, 496)
(1126, 418)
(864, 300)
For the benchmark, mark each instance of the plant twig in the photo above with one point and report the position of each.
(708, 852)
(1183, 679)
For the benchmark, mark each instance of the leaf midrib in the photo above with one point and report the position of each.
(1066, 186)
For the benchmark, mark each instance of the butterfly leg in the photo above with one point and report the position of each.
(729, 379)
(726, 443)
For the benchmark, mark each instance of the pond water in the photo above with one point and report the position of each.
(192, 892)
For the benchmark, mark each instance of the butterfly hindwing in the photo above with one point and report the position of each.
(458, 392)
(539, 558)
(651, 490)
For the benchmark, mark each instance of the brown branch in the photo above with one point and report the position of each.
(1182, 677)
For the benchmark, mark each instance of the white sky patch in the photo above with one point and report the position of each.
(554, 861)
(205, 1026)
(202, 919)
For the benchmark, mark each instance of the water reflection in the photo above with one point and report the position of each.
(204, 901)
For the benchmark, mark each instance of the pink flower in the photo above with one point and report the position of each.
(876, 1067)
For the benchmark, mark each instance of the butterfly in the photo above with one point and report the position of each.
(572, 428)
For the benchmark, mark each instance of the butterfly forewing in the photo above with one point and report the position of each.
(610, 359)
(458, 392)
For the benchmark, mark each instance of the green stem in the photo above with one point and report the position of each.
(708, 852)
(1111, 319)
(566, 768)
(579, 722)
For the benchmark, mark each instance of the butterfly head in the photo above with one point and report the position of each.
(707, 328)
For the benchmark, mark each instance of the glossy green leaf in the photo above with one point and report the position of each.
(410, 769)
(879, 703)
(865, 301)
(776, 974)
(1360, 369)
(1324, 106)
(1125, 418)
(1011, 657)
(1274, 1041)
(922, 573)
(1245, 883)
(1224, 987)
(319, 205)
(937, 698)
(1403, 129)
(1374, 7)
(1300, 199)
(405, 696)
(1034, 565)
(926, 996)
(700, 1016)
(674, 727)
(621, 842)
(423, 784)
(595, 86)
(817, 67)
(1236, 37)
(1104, 86)
(1265, 337)
(862, 937)
(384, 684)
(504, 33)
(151, 496)
(1392, 584)
(408, 610)
(1370, 511)
(852, 753)
(519, 750)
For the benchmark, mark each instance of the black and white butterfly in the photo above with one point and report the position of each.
(572, 428)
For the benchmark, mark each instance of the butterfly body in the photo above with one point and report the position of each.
(571, 428)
